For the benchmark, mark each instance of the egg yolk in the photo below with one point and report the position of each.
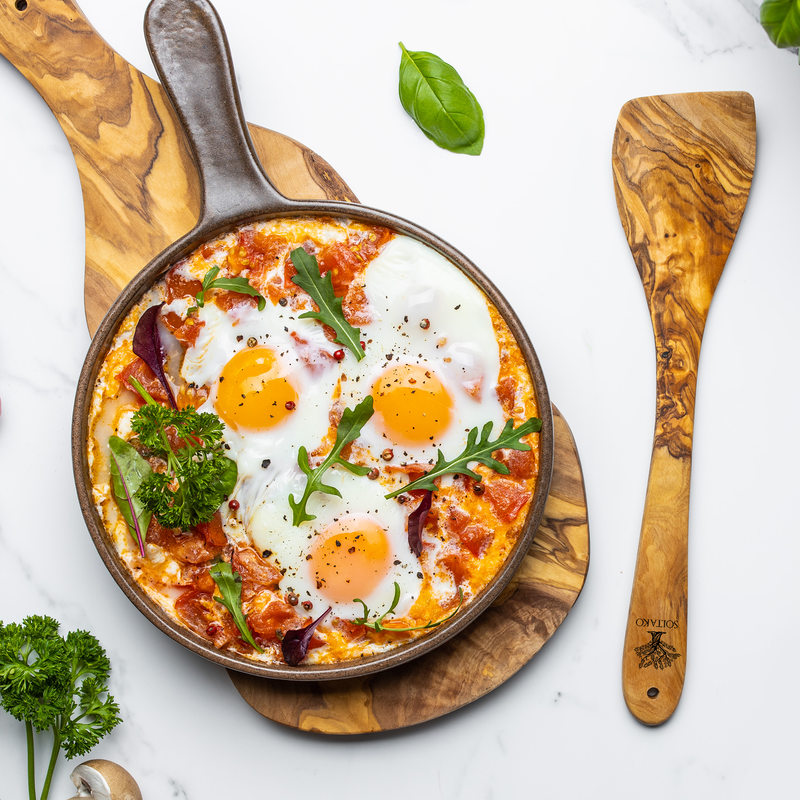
(351, 559)
(412, 405)
(252, 393)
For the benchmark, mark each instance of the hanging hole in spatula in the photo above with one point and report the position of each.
(21, 5)
(652, 692)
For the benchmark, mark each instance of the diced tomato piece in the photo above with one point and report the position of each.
(197, 577)
(227, 300)
(256, 251)
(178, 285)
(257, 574)
(371, 241)
(349, 629)
(355, 306)
(190, 548)
(212, 531)
(456, 563)
(506, 498)
(273, 617)
(454, 519)
(343, 262)
(476, 538)
(207, 617)
(139, 370)
(520, 463)
(186, 331)
(507, 394)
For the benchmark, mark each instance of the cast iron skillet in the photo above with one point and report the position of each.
(188, 45)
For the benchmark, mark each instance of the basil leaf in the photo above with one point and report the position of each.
(781, 20)
(230, 586)
(128, 472)
(434, 95)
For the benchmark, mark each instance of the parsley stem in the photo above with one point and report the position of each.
(53, 758)
(31, 763)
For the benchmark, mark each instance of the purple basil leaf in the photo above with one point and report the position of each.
(147, 345)
(416, 523)
(295, 643)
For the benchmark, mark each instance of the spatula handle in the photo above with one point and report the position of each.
(654, 657)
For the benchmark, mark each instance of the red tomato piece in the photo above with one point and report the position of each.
(506, 498)
(476, 538)
(212, 531)
(179, 285)
(507, 394)
(520, 463)
(139, 370)
(207, 617)
(257, 574)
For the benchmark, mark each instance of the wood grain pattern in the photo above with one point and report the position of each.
(502, 640)
(139, 183)
(140, 192)
(683, 165)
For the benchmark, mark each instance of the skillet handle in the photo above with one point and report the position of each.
(190, 51)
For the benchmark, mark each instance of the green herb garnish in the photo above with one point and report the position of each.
(330, 306)
(476, 450)
(49, 682)
(348, 429)
(377, 624)
(231, 587)
(436, 98)
(198, 476)
(240, 285)
(128, 471)
(781, 20)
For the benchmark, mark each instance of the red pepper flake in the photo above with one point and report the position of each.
(213, 629)
(339, 355)
(233, 505)
(290, 405)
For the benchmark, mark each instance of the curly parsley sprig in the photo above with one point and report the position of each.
(330, 306)
(198, 477)
(476, 450)
(57, 684)
(348, 429)
(377, 624)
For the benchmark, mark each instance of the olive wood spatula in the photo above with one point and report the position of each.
(683, 165)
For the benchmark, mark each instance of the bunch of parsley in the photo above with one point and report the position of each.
(57, 684)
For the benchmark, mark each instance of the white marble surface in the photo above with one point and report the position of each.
(536, 210)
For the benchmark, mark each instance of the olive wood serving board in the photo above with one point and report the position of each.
(140, 193)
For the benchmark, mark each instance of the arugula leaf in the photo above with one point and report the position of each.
(241, 285)
(295, 642)
(330, 306)
(377, 624)
(128, 471)
(49, 682)
(781, 20)
(231, 587)
(204, 475)
(445, 110)
(476, 450)
(348, 429)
